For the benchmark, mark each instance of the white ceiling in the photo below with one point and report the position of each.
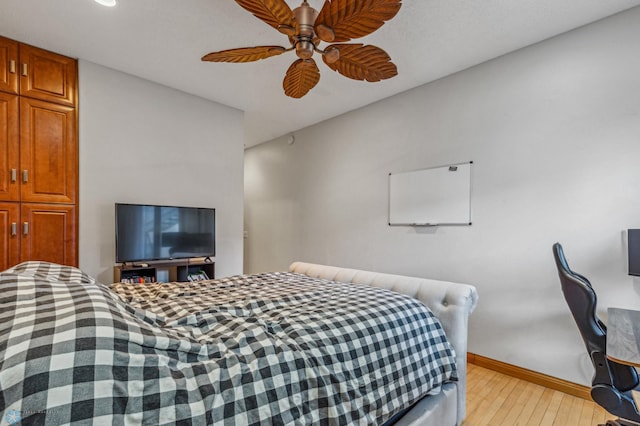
(163, 41)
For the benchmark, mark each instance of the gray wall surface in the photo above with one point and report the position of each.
(554, 134)
(141, 142)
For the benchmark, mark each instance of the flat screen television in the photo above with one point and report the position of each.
(633, 238)
(147, 232)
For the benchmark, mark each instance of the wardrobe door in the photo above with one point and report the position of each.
(9, 148)
(49, 233)
(48, 76)
(10, 237)
(8, 65)
(48, 152)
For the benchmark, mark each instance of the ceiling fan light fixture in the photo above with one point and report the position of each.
(108, 3)
(304, 49)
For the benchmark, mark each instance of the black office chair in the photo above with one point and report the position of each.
(612, 382)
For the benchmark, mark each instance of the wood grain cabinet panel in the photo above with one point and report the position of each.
(48, 233)
(38, 155)
(48, 152)
(9, 148)
(10, 241)
(8, 65)
(48, 76)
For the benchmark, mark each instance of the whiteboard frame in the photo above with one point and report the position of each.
(464, 197)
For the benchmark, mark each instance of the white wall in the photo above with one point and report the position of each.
(554, 133)
(141, 142)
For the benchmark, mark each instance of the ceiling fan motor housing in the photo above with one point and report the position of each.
(304, 18)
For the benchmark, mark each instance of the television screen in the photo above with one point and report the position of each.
(146, 232)
(633, 237)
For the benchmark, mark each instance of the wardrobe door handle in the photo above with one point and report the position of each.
(25, 228)
(14, 175)
(12, 66)
(25, 176)
(14, 229)
(24, 70)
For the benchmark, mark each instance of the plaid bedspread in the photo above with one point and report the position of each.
(272, 349)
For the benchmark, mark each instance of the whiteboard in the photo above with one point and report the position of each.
(434, 196)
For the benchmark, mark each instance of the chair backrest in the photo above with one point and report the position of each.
(582, 302)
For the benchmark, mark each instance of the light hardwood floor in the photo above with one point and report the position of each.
(496, 399)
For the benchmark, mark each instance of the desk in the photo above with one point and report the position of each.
(623, 336)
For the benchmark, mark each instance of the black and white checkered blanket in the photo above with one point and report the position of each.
(272, 349)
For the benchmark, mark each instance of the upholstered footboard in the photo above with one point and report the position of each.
(451, 302)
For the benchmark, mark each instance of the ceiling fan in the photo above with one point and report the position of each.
(337, 22)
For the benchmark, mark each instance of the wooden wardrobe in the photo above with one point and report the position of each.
(38, 155)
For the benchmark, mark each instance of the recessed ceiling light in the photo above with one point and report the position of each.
(109, 3)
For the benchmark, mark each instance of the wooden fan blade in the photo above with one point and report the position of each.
(244, 54)
(273, 12)
(361, 62)
(349, 19)
(301, 77)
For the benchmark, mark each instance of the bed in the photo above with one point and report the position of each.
(312, 345)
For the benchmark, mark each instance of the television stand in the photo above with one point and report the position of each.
(163, 271)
